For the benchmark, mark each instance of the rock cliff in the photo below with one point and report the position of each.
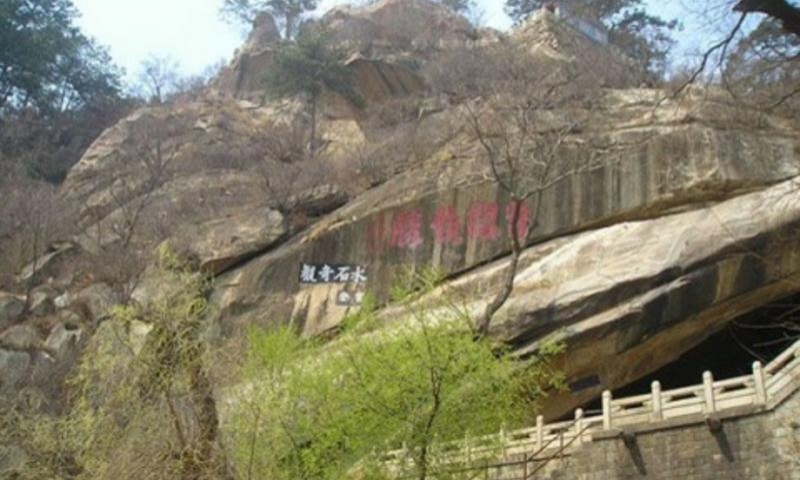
(683, 216)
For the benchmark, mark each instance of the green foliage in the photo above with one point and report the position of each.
(308, 68)
(58, 88)
(643, 37)
(314, 411)
(46, 62)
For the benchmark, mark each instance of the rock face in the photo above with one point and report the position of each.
(388, 40)
(678, 220)
(11, 309)
(265, 32)
(99, 300)
(447, 215)
(399, 26)
(206, 199)
(554, 41)
(14, 368)
(379, 81)
(633, 296)
(633, 261)
(219, 244)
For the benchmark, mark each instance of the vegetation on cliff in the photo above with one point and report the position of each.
(321, 411)
(467, 142)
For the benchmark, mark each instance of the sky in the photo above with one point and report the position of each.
(192, 32)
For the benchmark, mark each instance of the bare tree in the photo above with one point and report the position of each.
(754, 61)
(158, 78)
(151, 151)
(122, 239)
(287, 173)
(522, 123)
(32, 217)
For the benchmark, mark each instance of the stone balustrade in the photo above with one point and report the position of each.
(522, 450)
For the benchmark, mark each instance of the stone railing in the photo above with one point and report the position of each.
(710, 401)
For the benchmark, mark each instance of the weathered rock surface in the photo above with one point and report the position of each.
(22, 338)
(265, 32)
(64, 340)
(647, 167)
(11, 309)
(14, 368)
(388, 40)
(48, 263)
(208, 199)
(320, 200)
(98, 299)
(634, 296)
(219, 244)
(41, 303)
(393, 26)
(554, 42)
(681, 221)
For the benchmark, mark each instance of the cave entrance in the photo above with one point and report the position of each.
(759, 335)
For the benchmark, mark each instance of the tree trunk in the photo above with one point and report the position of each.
(290, 17)
(312, 141)
(201, 461)
(485, 320)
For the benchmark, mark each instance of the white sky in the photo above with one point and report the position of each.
(192, 32)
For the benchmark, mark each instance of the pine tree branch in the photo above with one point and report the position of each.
(781, 10)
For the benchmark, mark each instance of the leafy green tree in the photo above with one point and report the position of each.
(288, 12)
(314, 411)
(58, 88)
(46, 62)
(308, 68)
(643, 37)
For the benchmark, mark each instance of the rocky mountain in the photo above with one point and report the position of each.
(679, 216)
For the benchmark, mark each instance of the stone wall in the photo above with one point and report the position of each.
(763, 446)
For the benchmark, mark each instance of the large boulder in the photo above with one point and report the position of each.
(219, 244)
(41, 303)
(391, 26)
(97, 301)
(14, 368)
(65, 340)
(207, 195)
(11, 309)
(632, 297)
(554, 41)
(450, 215)
(22, 338)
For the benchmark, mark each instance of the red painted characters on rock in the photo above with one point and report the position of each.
(482, 221)
(407, 229)
(446, 226)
